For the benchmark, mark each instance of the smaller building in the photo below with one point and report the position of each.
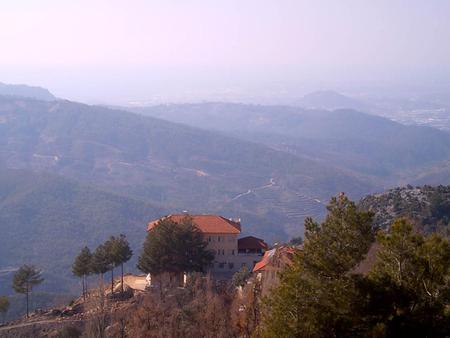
(267, 270)
(251, 246)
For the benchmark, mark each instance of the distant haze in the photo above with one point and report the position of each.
(111, 51)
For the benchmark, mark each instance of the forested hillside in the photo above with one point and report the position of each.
(46, 219)
(174, 165)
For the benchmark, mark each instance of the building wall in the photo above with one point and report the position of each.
(227, 261)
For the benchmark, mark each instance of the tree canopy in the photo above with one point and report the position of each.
(314, 298)
(4, 305)
(405, 293)
(175, 247)
(101, 260)
(82, 265)
(25, 279)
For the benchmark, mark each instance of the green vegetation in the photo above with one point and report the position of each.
(101, 260)
(43, 214)
(112, 253)
(121, 253)
(174, 247)
(4, 306)
(295, 241)
(314, 299)
(82, 267)
(241, 277)
(25, 279)
(405, 294)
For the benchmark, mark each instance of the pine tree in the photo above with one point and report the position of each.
(316, 291)
(101, 261)
(408, 288)
(25, 279)
(121, 253)
(175, 247)
(82, 267)
(109, 247)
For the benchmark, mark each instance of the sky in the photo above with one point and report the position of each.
(114, 51)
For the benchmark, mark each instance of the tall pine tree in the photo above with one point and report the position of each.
(316, 291)
(82, 267)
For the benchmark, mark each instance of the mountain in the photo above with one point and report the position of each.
(330, 100)
(43, 216)
(26, 91)
(170, 164)
(427, 206)
(386, 151)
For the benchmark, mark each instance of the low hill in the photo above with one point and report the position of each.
(26, 91)
(331, 100)
(427, 206)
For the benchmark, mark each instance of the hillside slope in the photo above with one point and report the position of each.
(26, 91)
(174, 165)
(427, 206)
(363, 143)
(46, 219)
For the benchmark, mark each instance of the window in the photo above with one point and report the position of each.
(209, 239)
(231, 265)
(218, 238)
(232, 252)
(218, 251)
(223, 252)
(221, 265)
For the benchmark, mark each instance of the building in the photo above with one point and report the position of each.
(272, 263)
(221, 233)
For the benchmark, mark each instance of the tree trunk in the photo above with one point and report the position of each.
(84, 286)
(112, 281)
(121, 278)
(27, 291)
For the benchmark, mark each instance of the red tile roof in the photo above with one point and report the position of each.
(264, 261)
(284, 253)
(210, 224)
(251, 242)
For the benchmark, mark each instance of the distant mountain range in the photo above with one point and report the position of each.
(330, 100)
(388, 152)
(26, 91)
(170, 164)
(73, 174)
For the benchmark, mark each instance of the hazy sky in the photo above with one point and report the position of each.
(115, 51)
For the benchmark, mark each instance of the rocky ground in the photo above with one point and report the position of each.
(73, 318)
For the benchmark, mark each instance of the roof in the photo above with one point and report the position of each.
(265, 260)
(251, 242)
(210, 224)
(283, 255)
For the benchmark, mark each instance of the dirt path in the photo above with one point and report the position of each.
(135, 282)
(249, 191)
